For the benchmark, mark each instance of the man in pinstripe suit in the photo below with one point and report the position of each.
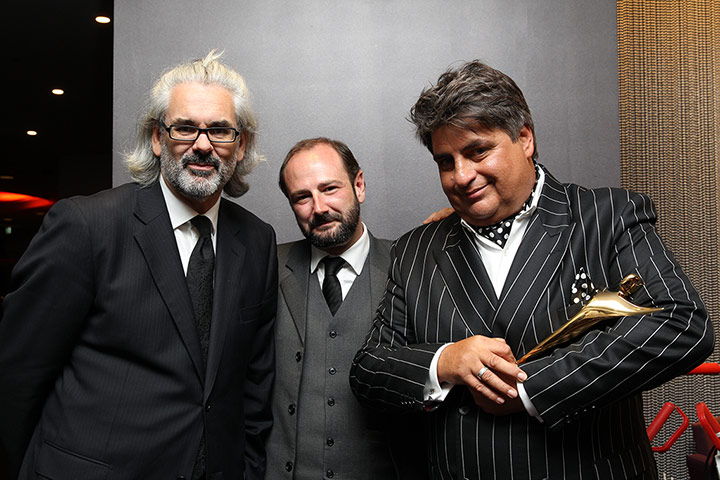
(470, 294)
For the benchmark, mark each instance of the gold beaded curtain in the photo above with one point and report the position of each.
(669, 94)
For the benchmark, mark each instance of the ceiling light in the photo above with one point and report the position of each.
(102, 19)
(32, 133)
(57, 91)
(7, 177)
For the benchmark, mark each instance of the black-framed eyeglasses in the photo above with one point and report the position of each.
(190, 133)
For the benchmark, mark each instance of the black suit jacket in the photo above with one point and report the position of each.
(100, 361)
(587, 393)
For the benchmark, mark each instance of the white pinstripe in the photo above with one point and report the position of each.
(436, 295)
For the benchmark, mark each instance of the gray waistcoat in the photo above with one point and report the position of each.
(336, 437)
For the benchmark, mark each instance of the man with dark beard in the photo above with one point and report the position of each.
(330, 284)
(138, 340)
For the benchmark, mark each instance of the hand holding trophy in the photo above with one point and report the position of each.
(603, 305)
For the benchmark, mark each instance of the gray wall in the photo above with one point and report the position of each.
(352, 70)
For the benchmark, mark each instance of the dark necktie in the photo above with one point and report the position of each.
(331, 285)
(200, 284)
(200, 280)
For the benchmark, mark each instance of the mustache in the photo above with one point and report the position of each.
(208, 159)
(323, 218)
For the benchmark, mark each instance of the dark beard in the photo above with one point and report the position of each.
(340, 235)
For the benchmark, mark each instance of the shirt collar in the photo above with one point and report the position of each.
(536, 193)
(180, 213)
(355, 255)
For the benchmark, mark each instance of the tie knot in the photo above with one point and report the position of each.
(203, 225)
(332, 265)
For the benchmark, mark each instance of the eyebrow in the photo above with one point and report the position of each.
(320, 187)
(330, 183)
(217, 123)
(470, 146)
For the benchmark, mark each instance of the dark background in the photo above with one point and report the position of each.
(51, 44)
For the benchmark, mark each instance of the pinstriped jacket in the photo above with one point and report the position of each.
(588, 392)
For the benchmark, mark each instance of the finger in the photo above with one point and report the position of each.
(484, 390)
(499, 347)
(489, 380)
(439, 215)
(503, 366)
(484, 403)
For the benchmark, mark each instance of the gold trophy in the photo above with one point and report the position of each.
(603, 305)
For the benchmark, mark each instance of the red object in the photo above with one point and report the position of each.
(660, 420)
(706, 369)
(709, 424)
(20, 201)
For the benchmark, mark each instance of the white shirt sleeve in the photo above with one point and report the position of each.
(532, 411)
(434, 391)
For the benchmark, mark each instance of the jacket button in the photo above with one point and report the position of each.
(298, 356)
(330, 474)
(333, 334)
(464, 410)
(207, 407)
(330, 442)
(289, 466)
(291, 409)
(332, 371)
(331, 401)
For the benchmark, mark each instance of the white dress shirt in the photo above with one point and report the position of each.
(497, 262)
(354, 257)
(180, 213)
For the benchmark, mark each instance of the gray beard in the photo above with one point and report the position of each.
(340, 235)
(197, 185)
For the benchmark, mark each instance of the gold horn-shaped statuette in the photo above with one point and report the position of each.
(603, 305)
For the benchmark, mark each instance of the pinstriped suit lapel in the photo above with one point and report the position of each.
(294, 284)
(467, 281)
(230, 257)
(538, 259)
(157, 242)
(377, 261)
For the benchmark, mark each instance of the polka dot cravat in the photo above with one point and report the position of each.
(499, 232)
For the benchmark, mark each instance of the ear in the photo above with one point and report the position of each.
(157, 141)
(527, 141)
(359, 186)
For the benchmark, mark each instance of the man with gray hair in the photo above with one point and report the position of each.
(137, 342)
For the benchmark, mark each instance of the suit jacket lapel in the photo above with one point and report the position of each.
(229, 260)
(472, 292)
(158, 245)
(378, 261)
(293, 280)
(538, 259)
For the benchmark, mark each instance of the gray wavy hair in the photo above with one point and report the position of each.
(472, 95)
(144, 165)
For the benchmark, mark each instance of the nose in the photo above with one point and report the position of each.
(202, 143)
(319, 205)
(464, 171)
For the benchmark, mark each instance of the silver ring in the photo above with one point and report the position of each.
(482, 372)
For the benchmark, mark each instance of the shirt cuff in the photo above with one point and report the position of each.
(434, 391)
(532, 411)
